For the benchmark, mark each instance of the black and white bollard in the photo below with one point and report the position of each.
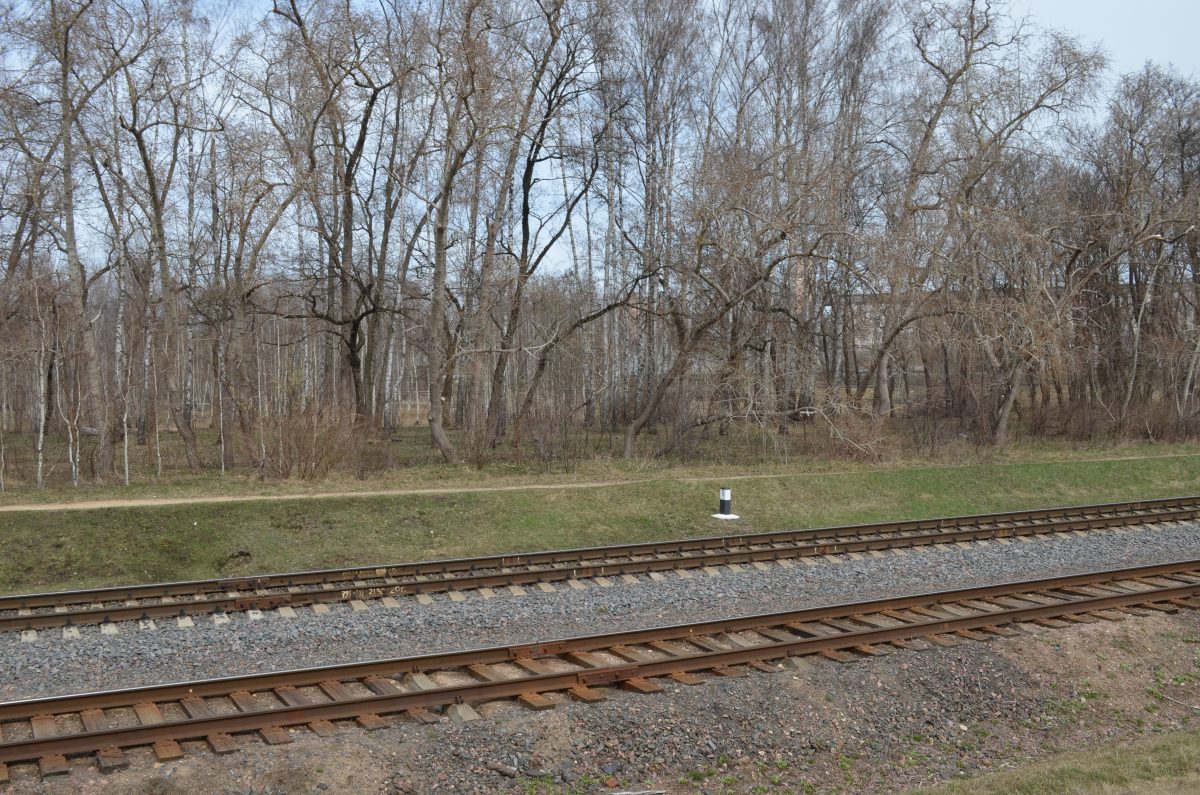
(726, 505)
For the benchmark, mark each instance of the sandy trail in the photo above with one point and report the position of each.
(145, 502)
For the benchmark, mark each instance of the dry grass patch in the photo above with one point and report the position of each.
(1163, 765)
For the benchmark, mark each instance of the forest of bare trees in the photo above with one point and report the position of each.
(506, 220)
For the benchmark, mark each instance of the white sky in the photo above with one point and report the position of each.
(1132, 31)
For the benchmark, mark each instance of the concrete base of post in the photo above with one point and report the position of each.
(725, 516)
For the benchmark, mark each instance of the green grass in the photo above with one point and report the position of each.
(1163, 765)
(82, 548)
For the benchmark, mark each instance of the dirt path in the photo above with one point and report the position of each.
(149, 502)
(145, 502)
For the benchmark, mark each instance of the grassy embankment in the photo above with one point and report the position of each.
(61, 549)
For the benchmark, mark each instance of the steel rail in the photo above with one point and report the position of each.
(851, 626)
(233, 594)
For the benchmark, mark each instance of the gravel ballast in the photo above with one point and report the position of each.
(53, 665)
(882, 725)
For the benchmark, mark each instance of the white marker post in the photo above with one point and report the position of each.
(726, 505)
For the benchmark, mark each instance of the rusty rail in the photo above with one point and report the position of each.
(47, 731)
(263, 592)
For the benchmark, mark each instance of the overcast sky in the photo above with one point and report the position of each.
(1132, 31)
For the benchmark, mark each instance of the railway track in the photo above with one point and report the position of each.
(26, 612)
(221, 713)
